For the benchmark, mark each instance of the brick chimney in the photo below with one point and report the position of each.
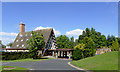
(22, 27)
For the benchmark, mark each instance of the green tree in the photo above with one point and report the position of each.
(115, 45)
(63, 41)
(89, 46)
(35, 43)
(110, 39)
(72, 44)
(1, 45)
(99, 40)
(77, 54)
(10, 44)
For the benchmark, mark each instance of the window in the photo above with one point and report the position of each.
(17, 45)
(21, 35)
(16, 40)
(27, 39)
(22, 45)
(22, 40)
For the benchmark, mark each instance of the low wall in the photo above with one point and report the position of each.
(104, 50)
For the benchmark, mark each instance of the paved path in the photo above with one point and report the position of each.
(51, 64)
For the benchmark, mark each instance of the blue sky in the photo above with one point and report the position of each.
(67, 18)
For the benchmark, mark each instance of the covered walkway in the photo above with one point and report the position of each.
(59, 53)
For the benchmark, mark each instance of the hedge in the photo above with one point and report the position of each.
(15, 55)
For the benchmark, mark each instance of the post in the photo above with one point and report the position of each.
(69, 55)
(56, 54)
(60, 53)
(63, 53)
(53, 53)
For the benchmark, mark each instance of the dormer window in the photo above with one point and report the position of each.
(22, 45)
(17, 45)
(21, 35)
(16, 40)
(21, 40)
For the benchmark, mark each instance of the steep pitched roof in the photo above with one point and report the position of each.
(20, 41)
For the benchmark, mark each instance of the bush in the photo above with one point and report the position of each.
(15, 55)
(115, 45)
(77, 54)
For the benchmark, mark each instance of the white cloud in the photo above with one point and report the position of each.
(5, 41)
(75, 32)
(8, 34)
(55, 31)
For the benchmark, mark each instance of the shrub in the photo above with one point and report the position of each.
(77, 54)
(15, 55)
(115, 45)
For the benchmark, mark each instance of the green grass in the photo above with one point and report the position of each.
(23, 60)
(18, 69)
(107, 61)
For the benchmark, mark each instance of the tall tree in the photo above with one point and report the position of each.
(63, 41)
(1, 45)
(110, 39)
(10, 44)
(72, 44)
(35, 43)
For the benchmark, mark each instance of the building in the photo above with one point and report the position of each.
(51, 49)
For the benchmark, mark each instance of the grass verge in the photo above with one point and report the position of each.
(23, 60)
(17, 69)
(107, 61)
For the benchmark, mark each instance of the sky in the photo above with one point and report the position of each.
(66, 18)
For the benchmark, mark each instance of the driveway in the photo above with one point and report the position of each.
(51, 64)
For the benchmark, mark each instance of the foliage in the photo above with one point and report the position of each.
(10, 44)
(115, 45)
(99, 40)
(110, 39)
(77, 54)
(64, 42)
(86, 49)
(80, 46)
(1, 45)
(15, 55)
(35, 43)
(89, 47)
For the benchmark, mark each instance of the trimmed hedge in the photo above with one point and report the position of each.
(15, 55)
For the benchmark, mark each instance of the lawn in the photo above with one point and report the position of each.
(22, 60)
(106, 61)
(17, 69)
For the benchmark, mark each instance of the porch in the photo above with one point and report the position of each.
(59, 53)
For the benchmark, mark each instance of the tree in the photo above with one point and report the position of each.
(35, 43)
(99, 40)
(1, 45)
(63, 41)
(115, 45)
(77, 54)
(89, 47)
(110, 39)
(72, 44)
(10, 44)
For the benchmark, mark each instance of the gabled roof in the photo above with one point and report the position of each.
(20, 41)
